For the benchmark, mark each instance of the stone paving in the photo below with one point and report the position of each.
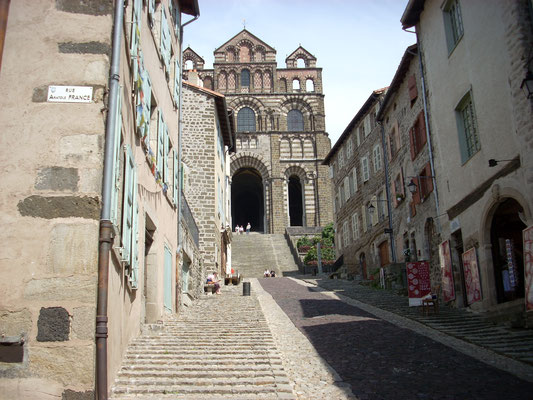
(382, 360)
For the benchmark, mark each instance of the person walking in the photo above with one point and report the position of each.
(248, 227)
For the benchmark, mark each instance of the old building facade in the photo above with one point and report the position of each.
(91, 220)
(408, 158)
(475, 59)
(277, 179)
(358, 178)
(208, 137)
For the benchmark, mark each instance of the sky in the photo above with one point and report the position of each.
(357, 43)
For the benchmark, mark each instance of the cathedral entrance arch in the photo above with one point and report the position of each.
(247, 199)
(295, 201)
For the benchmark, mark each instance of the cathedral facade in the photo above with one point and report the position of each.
(277, 176)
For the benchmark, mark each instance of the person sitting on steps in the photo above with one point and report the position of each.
(213, 279)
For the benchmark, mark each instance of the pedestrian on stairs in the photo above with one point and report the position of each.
(241, 230)
(248, 227)
(213, 278)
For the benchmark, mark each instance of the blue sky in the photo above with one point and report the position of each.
(358, 43)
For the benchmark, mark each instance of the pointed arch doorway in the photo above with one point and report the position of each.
(247, 199)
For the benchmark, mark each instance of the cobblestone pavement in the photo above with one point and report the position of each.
(381, 360)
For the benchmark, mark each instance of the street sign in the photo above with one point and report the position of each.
(70, 94)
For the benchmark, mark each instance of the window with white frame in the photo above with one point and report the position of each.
(355, 226)
(341, 157)
(453, 23)
(368, 127)
(377, 158)
(342, 194)
(345, 234)
(351, 182)
(349, 149)
(354, 179)
(467, 128)
(364, 169)
(346, 185)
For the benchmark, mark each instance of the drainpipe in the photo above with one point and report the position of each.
(426, 121)
(106, 236)
(180, 128)
(387, 189)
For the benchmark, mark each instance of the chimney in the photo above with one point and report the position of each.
(192, 77)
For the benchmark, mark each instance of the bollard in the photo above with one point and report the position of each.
(246, 288)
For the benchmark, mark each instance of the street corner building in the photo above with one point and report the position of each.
(93, 234)
(277, 176)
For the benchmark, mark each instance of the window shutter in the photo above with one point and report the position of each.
(160, 144)
(394, 201)
(429, 183)
(116, 160)
(176, 179)
(346, 188)
(151, 12)
(389, 146)
(134, 267)
(165, 40)
(177, 74)
(166, 177)
(363, 216)
(136, 29)
(422, 130)
(355, 178)
(413, 91)
(412, 140)
(127, 209)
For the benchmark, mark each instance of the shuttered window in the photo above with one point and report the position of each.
(175, 188)
(116, 159)
(129, 208)
(161, 131)
(143, 107)
(177, 75)
(165, 46)
(365, 170)
(135, 30)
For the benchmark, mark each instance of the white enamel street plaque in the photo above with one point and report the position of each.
(70, 94)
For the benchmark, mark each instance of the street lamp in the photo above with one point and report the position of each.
(412, 186)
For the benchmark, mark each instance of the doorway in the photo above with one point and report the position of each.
(507, 250)
(295, 201)
(247, 199)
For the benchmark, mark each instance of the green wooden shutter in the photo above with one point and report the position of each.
(177, 73)
(134, 265)
(151, 11)
(166, 178)
(116, 160)
(160, 143)
(127, 209)
(135, 34)
(176, 179)
(165, 40)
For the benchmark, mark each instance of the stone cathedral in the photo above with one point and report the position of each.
(277, 176)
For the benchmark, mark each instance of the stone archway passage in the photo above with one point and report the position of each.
(247, 199)
(507, 250)
(295, 201)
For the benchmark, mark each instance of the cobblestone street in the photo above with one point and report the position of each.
(380, 360)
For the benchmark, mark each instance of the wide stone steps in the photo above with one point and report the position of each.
(514, 343)
(231, 355)
(252, 254)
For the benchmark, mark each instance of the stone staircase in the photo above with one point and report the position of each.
(467, 326)
(219, 348)
(252, 254)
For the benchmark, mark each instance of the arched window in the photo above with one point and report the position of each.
(189, 65)
(295, 121)
(309, 85)
(300, 63)
(245, 77)
(246, 120)
(295, 84)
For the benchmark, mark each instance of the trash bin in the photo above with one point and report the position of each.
(246, 288)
